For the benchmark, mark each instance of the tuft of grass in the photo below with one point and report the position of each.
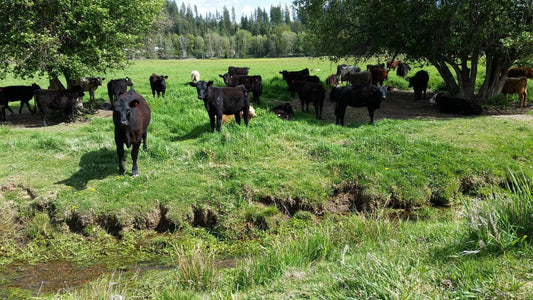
(505, 218)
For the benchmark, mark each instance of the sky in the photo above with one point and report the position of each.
(242, 7)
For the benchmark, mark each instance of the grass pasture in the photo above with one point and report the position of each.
(278, 209)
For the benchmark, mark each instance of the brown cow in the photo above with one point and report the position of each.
(516, 86)
(520, 72)
(379, 75)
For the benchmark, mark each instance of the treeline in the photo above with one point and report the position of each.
(181, 32)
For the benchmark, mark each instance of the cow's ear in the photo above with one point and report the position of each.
(192, 84)
(220, 76)
(210, 84)
(166, 77)
(134, 103)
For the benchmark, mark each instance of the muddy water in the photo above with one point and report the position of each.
(54, 276)
(47, 277)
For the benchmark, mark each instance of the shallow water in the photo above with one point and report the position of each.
(54, 276)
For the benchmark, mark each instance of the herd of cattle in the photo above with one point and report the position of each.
(131, 113)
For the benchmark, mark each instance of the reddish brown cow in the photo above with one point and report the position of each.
(379, 75)
(393, 64)
(520, 72)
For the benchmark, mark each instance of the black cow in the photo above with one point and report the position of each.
(283, 111)
(454, 105)
(310, 92)
(419, 83)
(223, 100)
(88, 84)
(131, 116)
(158, 84)
(3, 105)
(59, 100)
(238, 70)
(117, 87)
(291, 76)
(253, 83)
(356, 96)
(22, 93)
(402, 69)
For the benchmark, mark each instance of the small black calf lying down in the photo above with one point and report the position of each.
(283, 111)
(454, 105)
(357, 96)
(220, 101)
(131, 116)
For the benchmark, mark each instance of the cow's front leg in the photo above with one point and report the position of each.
(134, 156)
(120, 154)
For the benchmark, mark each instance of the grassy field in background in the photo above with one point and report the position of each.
(281, 198)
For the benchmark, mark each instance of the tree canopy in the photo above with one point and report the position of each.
(71, 37)
(453, 35)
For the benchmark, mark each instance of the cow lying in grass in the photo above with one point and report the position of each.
(229, 118)
(454, 105)
(223, 100)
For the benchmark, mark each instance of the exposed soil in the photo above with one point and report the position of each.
(398, 105)
(401, 105)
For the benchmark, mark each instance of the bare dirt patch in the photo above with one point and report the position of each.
(401, 105)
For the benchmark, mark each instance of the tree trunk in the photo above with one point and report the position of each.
(495, 76)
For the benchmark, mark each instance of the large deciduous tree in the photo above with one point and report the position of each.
(453, 35)
(71, 37)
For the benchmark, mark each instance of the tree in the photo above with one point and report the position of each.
(243, 42)
(71, 37)
(453, 35)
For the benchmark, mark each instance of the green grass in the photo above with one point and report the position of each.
(268, 197)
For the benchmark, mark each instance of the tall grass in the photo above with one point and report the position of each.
(504, 218)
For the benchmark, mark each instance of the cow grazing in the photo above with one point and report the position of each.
(252, 83)
(283, 111)
(223, 100)
(229, 118)
(58, 100)
(356, 96)
(332, 79)
(158, 84)
(117, 87)
(516, 86)
(131, 117)
(22, 93)
(358, 78)
(379, 75)
(195, 76)
(419, 83)
(310, 92)
(291, 76)
(238, 70)
(402, 69)
(520, 72)
(454, 105)
(393, 64)
(88, 84)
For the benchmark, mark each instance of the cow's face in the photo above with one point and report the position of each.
(201, 88)
(122, 110)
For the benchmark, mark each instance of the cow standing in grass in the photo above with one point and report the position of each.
(220, 101)
(131, 116)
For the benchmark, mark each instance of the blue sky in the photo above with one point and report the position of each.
(242, 7)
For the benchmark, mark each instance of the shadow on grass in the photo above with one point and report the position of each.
(95, 165)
